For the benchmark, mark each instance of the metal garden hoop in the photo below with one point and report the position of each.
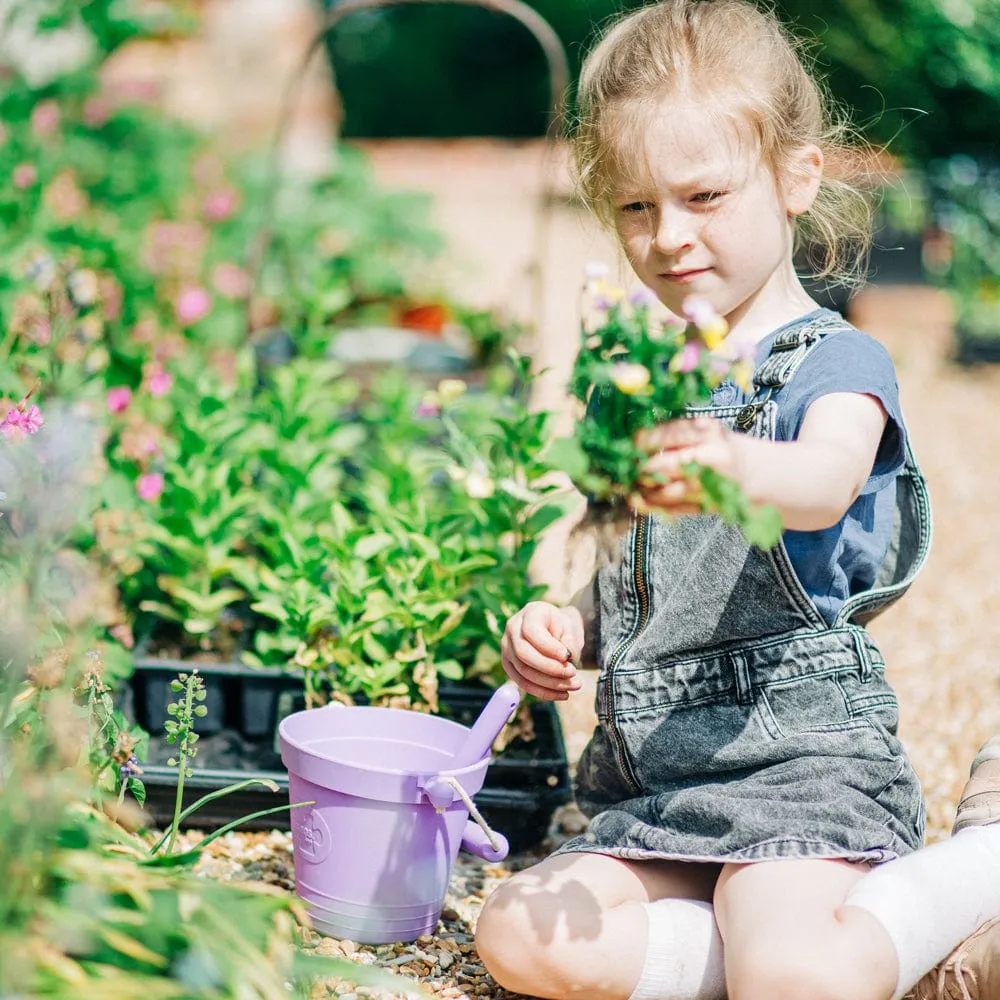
(558, 72)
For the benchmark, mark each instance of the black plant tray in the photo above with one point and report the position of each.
(972, 349)
(523, 786)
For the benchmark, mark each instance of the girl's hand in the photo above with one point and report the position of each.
(672, 445)
(540, 648)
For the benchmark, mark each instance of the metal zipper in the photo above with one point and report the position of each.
(642, 593)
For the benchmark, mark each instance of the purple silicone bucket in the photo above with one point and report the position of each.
(374, 854)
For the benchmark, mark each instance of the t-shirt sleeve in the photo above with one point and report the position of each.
(848, 361)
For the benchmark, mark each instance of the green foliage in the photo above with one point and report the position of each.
(86, 910)
(407, 570)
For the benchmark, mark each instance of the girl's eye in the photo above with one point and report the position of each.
(707, 197)
(633, 207)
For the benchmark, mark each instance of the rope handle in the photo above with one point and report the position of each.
(559, 78)
(474, 813)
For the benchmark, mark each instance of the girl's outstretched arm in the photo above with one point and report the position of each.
(811, 480)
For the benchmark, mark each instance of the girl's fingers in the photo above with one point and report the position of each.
(540, 628)
(536, 677)
(669, 463)
(526, 655)
(538, 690)
(677, 433)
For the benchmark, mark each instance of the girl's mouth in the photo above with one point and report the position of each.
(683, 277)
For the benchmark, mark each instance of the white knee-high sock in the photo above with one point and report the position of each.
(683, 953)
(932, 899)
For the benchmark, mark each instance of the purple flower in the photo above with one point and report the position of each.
(699, 311)
(642, 297)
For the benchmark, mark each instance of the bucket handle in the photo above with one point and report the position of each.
(495, 846)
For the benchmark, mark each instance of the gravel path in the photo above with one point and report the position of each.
(942, 642)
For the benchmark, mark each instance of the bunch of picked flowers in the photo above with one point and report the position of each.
(635, 370)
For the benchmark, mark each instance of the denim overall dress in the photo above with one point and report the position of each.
(736, 724)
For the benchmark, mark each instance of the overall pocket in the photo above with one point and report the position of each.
(812, 705)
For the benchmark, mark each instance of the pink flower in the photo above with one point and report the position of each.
(221, 204)
(40, 332)
(119, 397)
(10, 426)
(425, 410)
(231, 281)
(149, 486)
(25, 175)
(96, 111)
(699, 311)
(32, 420)
(192, 305)
(19, 423)
(158, 381)
(45, 118)
(686, 360)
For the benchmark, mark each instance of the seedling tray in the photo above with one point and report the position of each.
(238, 740)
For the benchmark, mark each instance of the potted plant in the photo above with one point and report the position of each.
(389, 539)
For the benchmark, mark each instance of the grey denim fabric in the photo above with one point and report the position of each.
(734, 723)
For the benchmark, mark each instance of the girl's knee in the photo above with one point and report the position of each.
(796, 973)
(501, 939)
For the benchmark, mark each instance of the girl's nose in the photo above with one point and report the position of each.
(673, 232)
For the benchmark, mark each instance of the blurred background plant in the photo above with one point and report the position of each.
(139, 284)
(963, 251)
(86, 909)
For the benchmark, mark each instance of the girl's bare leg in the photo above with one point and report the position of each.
(574, 925)
(788, 937)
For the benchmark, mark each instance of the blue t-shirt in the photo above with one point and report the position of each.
(835, 562)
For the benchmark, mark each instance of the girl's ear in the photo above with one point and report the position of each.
(803, 176)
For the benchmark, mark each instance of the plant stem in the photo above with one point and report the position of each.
(181, 766)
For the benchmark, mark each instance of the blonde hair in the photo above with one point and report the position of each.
(739, 56)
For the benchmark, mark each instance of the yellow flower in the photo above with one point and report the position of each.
(449, 389)
(630, 378)
(743, 375)
(714, 333)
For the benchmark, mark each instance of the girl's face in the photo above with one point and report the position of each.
(711, 219)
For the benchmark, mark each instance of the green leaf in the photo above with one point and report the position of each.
(567, 455)
(272, 610)
(370, 545)
(451, 669)
(763, 527)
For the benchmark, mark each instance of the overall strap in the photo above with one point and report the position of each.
(787, 353)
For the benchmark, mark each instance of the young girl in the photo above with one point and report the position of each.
(745, 776)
